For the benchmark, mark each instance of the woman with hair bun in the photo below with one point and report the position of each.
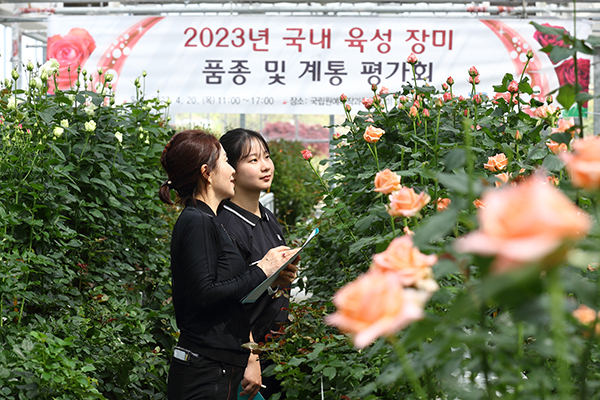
(209, 276)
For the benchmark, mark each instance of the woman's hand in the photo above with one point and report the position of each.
(275, 258)
(252, 377)
(287, 276)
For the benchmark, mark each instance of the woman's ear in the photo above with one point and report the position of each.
(205, 173)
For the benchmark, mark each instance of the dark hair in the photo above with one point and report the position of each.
(182, 159)
(237, 143)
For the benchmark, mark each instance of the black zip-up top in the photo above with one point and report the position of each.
(209, 278)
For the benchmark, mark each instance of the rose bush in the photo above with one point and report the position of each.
(511, 243)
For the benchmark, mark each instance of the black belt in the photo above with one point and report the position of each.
(184, 354)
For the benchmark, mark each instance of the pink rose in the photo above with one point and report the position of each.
(473, 72)
(343, 98)
(524, 224)
(372, 134)
(384, 90)
(447, 96)
(386, 181)
(306, 154)
(348, 108)
(450, 81)
(412, 59)
(445, 86)
(545, 111)
(367, 102)
(513, 87)
(477, 99)
(425, 112)
(404, 259)
(375, 305)
(414, 112)
(404, 202)
(72, 51)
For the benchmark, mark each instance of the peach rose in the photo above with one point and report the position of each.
(564, 125)
(442, 204)
(372, 134)
(404, 259)
(587, 316)
(496, 163)
(386, 181)
(375, 305)
(583, 163)
(478, 203)
(404, 202)
(503, 178)
(545, 111)
(524, 223)
(407, 231)
(557, 148)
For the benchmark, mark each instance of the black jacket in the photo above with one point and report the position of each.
(209, 278)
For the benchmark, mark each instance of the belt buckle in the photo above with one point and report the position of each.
(183, 354)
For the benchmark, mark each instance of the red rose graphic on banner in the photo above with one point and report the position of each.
(71, 50)
(545, 39)
(566, 74)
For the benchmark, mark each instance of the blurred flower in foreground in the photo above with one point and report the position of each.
(404, 259)
(583, 163)
(496, 163)
(404, 202)
(374, 305)
(386, 181)
(524, 224)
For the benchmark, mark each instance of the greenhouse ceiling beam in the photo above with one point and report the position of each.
(253, 2)
(314, 8)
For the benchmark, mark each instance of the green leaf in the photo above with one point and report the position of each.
(593, 40)
(552, 163)
(435, 228)
(558, 53)
(566, 95)
(329, 372)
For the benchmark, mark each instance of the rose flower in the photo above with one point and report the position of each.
(386, 181)
(406, 203)
(583, 163)
(404, 259)
(374, 305)
(372, 134)
(496, 163)
(524, 224)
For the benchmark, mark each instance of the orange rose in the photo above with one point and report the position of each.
(587, 316)
(496, 163)
(372, 134)
(386, 181)
(404, 202)
(564, 125)
(553, 180)
(557, 148)
(404, 259)
(442, 204)
(478, 203)
(375, 305)
(503, 178)
(524, 223)
(583, 163)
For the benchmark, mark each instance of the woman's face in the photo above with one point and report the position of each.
(254, 172)
(222, 181)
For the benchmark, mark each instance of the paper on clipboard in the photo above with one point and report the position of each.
(260, 289)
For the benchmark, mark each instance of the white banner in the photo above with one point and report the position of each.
(298, 65)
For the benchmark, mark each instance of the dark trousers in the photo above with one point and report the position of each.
(203, 379)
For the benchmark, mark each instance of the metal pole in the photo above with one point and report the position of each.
(243, 121)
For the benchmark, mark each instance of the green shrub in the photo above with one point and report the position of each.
(84, 252)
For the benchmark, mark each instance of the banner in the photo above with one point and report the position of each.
(299, 65)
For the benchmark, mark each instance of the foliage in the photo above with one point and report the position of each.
(484, 335)
(84, 278)
(293, 185)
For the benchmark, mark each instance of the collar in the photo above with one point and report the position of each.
(202, 206)
(245, 215)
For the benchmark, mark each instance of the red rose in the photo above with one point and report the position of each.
(545, 39)
(566, 73)
(72, 50)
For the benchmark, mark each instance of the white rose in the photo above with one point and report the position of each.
(64, 123)
(90, 126)
(119, 136)
(89, 110)
(58, 131)
(36, 83)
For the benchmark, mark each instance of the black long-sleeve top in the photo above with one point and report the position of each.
(209, 278)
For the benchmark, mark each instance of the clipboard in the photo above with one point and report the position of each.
(260, 289)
